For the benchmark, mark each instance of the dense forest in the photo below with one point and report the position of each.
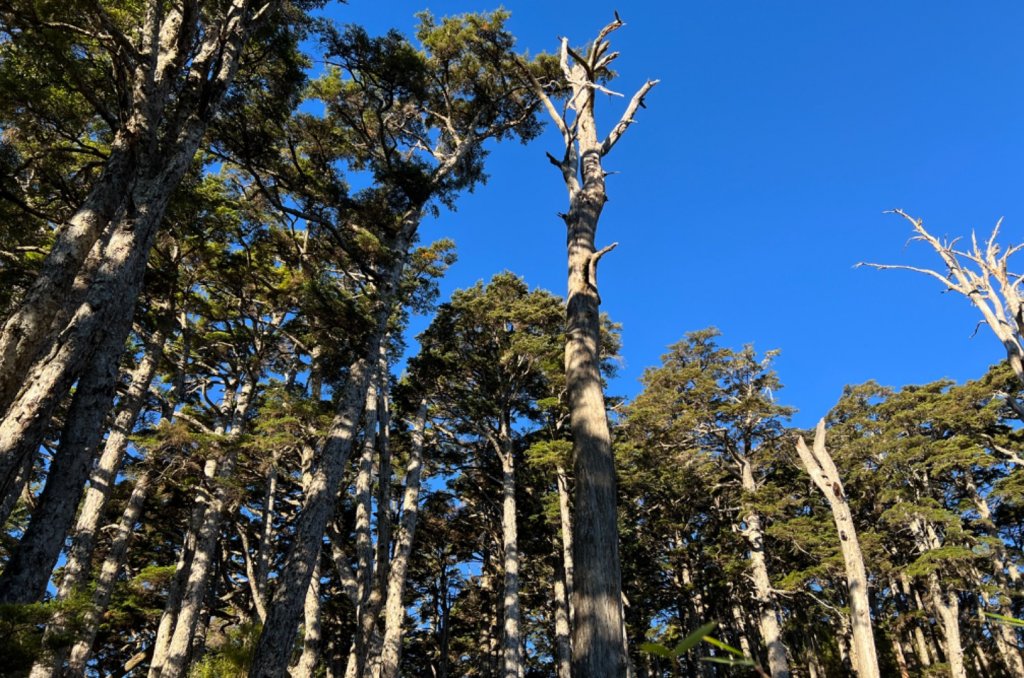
(224, 452)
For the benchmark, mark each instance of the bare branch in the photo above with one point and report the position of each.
(627, 117)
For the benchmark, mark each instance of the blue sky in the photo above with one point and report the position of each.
(757, 176)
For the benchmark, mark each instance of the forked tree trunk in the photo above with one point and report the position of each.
(818, 463)
(394, 609)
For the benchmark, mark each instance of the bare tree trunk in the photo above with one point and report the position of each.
(27, 573)
(563, 647)
(771, 631)
(311, 637)
(818, 463)
(364, 543)
(107, 578)
(512, 642)
(597, 640)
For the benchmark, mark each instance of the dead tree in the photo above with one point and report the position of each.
(825, 475)
(598, 644)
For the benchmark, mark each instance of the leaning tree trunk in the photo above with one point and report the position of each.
(768, 617)
(50, 362)
(825, 475)
(86, 632)
(101, 486)
(598, 643)
(27, 573)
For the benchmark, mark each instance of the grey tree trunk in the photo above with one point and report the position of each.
(27, 573)
(818, 463)
(394, 609)
(768, 617)
(53, 365)
(273, 650)
(565, 518)
(107, 578)
(217, 499)
(512, 642)
(563, 646)
(101, 484)
(945, 603)
(364, 543)
(311, 636)
(597, 639)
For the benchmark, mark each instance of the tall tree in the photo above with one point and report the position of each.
(598, 643)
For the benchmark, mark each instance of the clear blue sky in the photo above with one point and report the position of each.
(757, 176)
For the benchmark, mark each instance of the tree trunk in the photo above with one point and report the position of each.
(771, 631)
(597, 638)
(274, 646)
(565, 516)
(512, 643)
(107, 578)
(311, 637)
(818, 463)
(27, 573)
(394, 609)
(364, 543)
(947, 609)
(563, 647)
(218, 498)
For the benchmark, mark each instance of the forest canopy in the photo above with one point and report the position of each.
(250, 427)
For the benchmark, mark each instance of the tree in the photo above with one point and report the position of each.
(823, 472)
(487, 357)
(598, 643)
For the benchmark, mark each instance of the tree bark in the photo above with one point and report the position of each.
(512, 642)
(771, 631)
(107, 578)
(311, 637)
(27, 573)
(819, 465)
(394, 609)
(597, 639)
(364, 543)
